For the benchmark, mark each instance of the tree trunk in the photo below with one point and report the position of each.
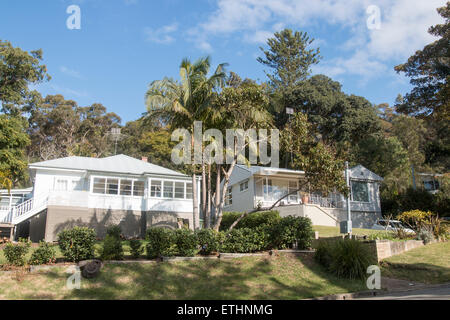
(208, 206)
(194, 199)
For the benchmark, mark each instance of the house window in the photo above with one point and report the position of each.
(155, 189)
(243, 186)
(99, 185)
(61, 185)
(179, 190)
(125, 187)
(189, 190)
(267, 189)
(168, 189)
(229, 196)
(138, 188)
(360, 191)
(431, 185)
(292, 188)
(112, 186)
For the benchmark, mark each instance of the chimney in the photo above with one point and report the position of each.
(145, 159)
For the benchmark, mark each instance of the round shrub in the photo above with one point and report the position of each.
(136, 248)
(290, 230)
(77, 244)
(44, 254)
(350, 259)
(114, 231)
(15, 253)
(161, 242)
(252, 220)
(246, 240)
(186, 241)
(112, 248)
(209, 241)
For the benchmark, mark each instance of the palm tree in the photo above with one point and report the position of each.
(181, 103)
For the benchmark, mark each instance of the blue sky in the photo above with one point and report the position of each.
(123, 45)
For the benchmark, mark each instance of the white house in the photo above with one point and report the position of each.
(252, 187)
(97, 192)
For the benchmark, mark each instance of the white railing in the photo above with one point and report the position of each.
(333, 201)
(21, 211)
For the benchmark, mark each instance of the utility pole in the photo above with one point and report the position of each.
(413, 177)
(289, 111)
(346, 226)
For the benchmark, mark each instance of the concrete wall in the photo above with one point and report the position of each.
(133, 223)
(329, 216)
(385, 248)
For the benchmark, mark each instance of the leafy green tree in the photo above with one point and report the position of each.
(13, 141)
(180, 104)
(290, 58)
(19, 69)
(429, 70)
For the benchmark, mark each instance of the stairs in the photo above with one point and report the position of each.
(24, 210)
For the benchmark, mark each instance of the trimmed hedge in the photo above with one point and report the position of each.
(290, 230)
(77, 244)
(246, 240)
(15, 253)
(186, 242)
(161, 242)
(112, 244)
(44, 254)
(136, 248)
(209, 241)
(252, 220)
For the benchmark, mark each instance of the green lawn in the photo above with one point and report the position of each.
(278, 277)
(326, 232)
(427, 264)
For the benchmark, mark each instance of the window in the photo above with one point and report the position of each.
(431, 185)
(112, 186)
(229, 197)
(179, 190)
(138, 188)
(155, 189)
(292, 187)
(61, 185)
(189, 190)
(360, 191)
(267, 190)
(243, 186)
(168, 189)
(99, 185)
(125, 187)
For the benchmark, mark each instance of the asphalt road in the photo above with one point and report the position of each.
(431, 293)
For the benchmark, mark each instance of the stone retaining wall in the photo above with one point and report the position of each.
(386, 248)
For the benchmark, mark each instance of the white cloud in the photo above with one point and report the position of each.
(70, 72)
(404, 25)
(161, 35)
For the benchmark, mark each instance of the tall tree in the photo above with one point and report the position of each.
(13, 141)
(180, 104)
(290, 58)
(429, 70)
(19, 69)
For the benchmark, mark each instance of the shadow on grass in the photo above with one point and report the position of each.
(278, 277)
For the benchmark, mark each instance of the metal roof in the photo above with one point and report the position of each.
(115, 164)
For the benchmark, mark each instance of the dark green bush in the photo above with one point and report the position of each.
(346, 258)
(161, 242)
(253, 220)
(112, 248)
(245, 240)
(15, 253)
(186, 241)
(136, 248)
(44, 254)
(77, 244)
(114, 231)
(209, 241)
(290, 230)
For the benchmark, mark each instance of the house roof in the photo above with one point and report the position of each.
(360, 172)
(269, 170)
(116, 164)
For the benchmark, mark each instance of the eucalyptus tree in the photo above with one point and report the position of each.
(181, 103)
